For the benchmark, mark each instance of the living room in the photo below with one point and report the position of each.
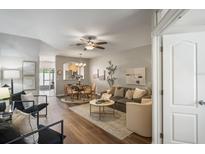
(75, 73)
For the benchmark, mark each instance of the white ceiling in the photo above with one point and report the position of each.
(123, 29)
(192, 21)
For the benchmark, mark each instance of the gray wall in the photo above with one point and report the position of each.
(138, 57)
(60, 60)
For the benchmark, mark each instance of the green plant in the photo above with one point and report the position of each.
(111, 71)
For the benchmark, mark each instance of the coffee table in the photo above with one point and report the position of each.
(107, 103)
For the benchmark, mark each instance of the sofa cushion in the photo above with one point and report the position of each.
(124, 100)
(115, 98)
(129, 94)
(119, 92)
(139, 93)
(137, 100)
(111, 91)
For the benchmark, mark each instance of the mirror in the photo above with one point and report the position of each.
(72, 71)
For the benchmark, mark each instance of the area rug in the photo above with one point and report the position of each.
(68, 100)
(115, 125)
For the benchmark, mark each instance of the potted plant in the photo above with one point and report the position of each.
(111, 71)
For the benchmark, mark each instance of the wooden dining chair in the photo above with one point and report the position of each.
(93, 92)
(87, 91)
(68, 90)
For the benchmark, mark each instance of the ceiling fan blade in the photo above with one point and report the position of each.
(101, 43)
(84, 40)
(99, 47)
(78, 44)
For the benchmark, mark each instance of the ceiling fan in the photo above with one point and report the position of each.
(89, 43)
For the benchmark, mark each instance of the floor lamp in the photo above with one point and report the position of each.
(11, 75)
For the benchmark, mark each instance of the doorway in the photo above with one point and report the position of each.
(47, 77)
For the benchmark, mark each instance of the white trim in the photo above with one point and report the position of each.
(168, 19)
(156, 90)
(157, 113)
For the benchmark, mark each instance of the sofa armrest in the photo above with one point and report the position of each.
(139, 118)
(39, 130)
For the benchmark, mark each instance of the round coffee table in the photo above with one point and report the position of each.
(107, 103)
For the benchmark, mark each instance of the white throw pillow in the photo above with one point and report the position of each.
(138, 93)
(25, 123)
(106, 96)
(28, 97)
(129, 94)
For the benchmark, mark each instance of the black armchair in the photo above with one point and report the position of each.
(46, 135)
(18, 103)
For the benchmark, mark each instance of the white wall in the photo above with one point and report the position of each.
(138, 57)
(14, 50)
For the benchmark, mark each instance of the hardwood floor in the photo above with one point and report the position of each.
(80, 131)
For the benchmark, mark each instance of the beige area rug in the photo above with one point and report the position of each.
(115, 125)
(68, 100)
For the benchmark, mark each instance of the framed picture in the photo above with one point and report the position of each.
(136, 76)
(103, 76)
(29, 68)
(29, 83)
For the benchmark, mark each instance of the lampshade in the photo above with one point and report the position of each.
(11, 74)
(4, 93)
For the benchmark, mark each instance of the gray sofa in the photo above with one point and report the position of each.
(120, 102)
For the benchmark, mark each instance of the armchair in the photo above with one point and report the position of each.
(139, 118)
(46, 135)
(18, 103)
(9, 135)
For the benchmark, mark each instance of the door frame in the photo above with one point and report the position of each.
(159, 28)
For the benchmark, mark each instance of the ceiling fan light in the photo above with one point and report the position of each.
(89, 47)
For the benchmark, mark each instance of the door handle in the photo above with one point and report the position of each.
(201, 102)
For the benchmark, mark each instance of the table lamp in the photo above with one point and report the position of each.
(11, 74)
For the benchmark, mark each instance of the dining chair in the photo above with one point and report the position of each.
(93, 92)
(87, 91)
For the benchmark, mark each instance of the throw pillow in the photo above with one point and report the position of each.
(129, 94)
(138, 93)
(106, 96)
(112, 91)
(119, 92)
(25, 123)
(28, 97)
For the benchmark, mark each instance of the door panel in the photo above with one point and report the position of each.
(184, 68)
(184, 87)
(189, 123)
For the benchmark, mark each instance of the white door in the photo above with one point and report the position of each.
(184, 88)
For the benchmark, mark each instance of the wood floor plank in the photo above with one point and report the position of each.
(78, 130)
